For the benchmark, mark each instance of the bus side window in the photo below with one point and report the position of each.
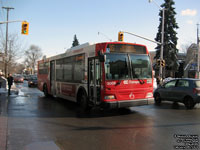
(98, 74)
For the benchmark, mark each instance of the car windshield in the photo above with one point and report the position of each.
(119, 66)
(18, 76)
(34, 78)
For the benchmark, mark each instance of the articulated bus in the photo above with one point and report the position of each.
(110, 74)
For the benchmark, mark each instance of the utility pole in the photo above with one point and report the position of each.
(162, 39)
(198, 50)
(6, 45)
(162, 45)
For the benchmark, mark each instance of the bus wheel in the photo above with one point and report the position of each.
(45, 90)
(84, 102)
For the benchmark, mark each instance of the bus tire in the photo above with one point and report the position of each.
(45, 90)
(83, 102)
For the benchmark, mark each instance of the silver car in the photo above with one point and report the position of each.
(185, 90)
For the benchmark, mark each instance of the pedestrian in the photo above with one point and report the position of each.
(10, 82)
(158, 80)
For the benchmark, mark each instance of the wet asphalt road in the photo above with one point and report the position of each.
(38, 123)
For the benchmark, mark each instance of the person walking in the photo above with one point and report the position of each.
(10, 82)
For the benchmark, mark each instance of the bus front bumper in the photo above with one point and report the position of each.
(128, 103)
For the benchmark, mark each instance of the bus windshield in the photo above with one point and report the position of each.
(141, 67)
(127, 66)
(116, 66)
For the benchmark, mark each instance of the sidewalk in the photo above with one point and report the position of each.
(3, 132)
(3, 114)
(3, 119)
(14, 90)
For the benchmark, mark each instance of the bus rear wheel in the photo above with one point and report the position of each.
(83, 101)
(45, 90)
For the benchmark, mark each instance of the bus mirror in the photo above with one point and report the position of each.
(102, 57)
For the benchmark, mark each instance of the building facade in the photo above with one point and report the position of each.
(190, 66)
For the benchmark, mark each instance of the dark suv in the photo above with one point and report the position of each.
(185, 90)
(32, 81)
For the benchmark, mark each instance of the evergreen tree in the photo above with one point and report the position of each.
(75, 42)
(170, 40)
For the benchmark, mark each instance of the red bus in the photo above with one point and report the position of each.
(110, 74)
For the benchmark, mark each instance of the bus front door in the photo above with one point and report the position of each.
(94, 80)
(52, 78)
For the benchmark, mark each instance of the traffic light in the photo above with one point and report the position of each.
(163, 63)
(158, 62)
(25, 26)
(121, 36)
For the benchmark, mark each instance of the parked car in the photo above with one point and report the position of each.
(18, 79)
(32, 81)
(167, 79)
(26, 77)
(185, 90)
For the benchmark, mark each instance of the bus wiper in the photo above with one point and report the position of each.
(118, 83)
(140, 80)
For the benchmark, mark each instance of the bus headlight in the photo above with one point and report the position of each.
(149, 95)
(109, 97)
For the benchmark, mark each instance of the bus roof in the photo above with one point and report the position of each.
(80, 48)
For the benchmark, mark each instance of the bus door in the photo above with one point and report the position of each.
(94, 80)
(52, 78)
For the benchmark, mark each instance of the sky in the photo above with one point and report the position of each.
(53, 23)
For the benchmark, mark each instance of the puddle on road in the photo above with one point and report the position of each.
(50, 145)
(20, 93)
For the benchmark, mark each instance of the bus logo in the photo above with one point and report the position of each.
(125, 81)
(131, 96)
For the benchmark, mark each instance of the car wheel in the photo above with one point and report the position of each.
(157, 99)
(189, 103)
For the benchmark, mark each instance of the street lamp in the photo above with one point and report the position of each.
(162, 38)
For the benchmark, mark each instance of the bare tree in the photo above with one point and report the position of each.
(33, 54)
(14, 50)
(18, 68)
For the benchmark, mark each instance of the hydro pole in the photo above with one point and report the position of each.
(198, 50)
(162, 38)
(6, 46)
